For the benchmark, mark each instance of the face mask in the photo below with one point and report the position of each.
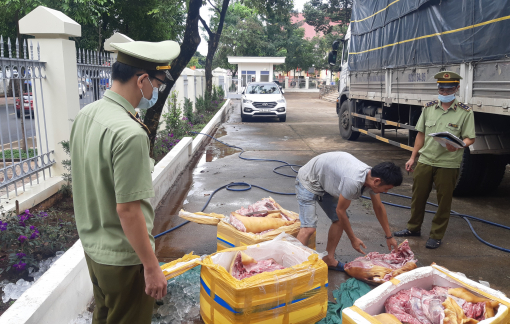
(448, 98)
(146, 103)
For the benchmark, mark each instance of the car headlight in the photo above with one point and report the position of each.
(280, 100)
(281, 109)
(247, 101)
(248, 110)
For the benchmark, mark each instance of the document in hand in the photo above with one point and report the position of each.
(447, 137)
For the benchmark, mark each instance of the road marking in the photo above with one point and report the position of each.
(12, 114)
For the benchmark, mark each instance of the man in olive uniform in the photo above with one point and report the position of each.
(112, 183)
(437, 164)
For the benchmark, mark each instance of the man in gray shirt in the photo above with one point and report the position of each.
(334, 179)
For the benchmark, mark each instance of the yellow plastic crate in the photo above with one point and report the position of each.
(373, 303)
(228, 236)
(297, 294)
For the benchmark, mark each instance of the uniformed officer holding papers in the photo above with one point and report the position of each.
(437, 164)
(112, 184)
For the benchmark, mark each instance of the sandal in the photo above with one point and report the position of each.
(432, 243)
(339, 267)
(406, 232)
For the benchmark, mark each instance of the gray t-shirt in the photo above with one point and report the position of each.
(337, 173)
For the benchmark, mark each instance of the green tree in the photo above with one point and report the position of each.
(190, 42)
(243, 35)
(267, 10)
(321, 13)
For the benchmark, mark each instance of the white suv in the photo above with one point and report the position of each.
(263, 99)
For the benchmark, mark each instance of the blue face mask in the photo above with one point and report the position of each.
(448, 98)
(146, 103)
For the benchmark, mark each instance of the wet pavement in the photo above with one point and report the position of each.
(311, 129)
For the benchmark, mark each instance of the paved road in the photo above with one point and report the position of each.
(8, 119)
(311, 129)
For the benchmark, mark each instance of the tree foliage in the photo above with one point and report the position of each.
(249, 33)
(320, 13)
(148, 20)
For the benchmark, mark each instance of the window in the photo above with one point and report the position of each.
(247, 77)
(263, 89)
(264, 76)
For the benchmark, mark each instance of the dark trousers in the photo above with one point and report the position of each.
(119, 293)
(444, 179)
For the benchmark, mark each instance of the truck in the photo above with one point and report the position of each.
(387, 62)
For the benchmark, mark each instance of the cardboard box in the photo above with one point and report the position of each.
(297, 294)
(425, 277)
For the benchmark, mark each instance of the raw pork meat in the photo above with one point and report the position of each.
(474, 310)
(263, 205)
(379, 268)
(399, 305)
(419, 306)
(261, 209)
(241, 271)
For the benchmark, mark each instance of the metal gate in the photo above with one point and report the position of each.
(94, 75)
(22, 118)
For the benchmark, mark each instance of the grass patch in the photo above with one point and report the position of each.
(15, 154)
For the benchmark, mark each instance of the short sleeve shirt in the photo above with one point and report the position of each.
(459, 120)
(110, 165)
(335, 173)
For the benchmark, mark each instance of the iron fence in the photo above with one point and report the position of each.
(24, 152)
(94, 75)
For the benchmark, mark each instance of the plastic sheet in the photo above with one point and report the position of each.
(201, 218)
(179, 266)
(391, 34)
(297, 294)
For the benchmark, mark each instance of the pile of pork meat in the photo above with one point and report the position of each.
(440, 305)
(377, 268)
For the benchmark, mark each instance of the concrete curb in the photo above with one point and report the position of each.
(49, 301)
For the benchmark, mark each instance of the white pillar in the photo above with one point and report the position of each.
(52, 30)
(307, 80)
(286, 82)
(116, 38)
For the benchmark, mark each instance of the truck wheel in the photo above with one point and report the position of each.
(469, 174)
(492, 174)
(345, 123)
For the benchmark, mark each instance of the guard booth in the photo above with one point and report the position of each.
(254, 69)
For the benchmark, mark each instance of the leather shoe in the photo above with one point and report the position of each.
(432, 243)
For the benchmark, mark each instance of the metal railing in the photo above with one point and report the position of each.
(24, 152)
(94, 75)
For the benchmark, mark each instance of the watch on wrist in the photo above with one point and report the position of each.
(388, 237)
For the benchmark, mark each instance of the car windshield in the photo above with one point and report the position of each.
(263, 89)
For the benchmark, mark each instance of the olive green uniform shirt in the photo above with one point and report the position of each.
(110, 165)
(458, 120)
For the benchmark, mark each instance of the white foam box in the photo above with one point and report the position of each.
(373, 303)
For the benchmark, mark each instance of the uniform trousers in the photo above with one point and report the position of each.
(445, 180)
(119, 294)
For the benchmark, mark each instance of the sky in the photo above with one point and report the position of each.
(206, 14)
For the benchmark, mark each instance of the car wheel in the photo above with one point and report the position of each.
(244, 118)
(283, 118)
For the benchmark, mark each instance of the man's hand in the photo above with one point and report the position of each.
(155, 283)
(451, 148)
(409, 165)
(392, 244)
(357, 244)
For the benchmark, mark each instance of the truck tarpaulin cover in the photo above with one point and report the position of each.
(399, 33)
